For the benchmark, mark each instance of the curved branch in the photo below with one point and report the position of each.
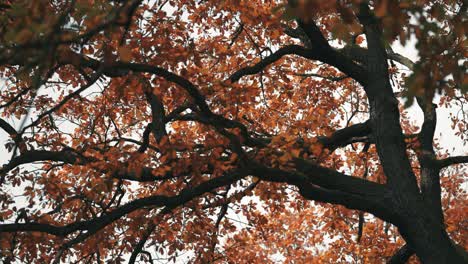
(327, 54)
(98, 223)
(258, 67)
(39, 155)
(139, 247)
(401, 59)
(158, 113)
(120, 68)
(148, 231)
(326, 185)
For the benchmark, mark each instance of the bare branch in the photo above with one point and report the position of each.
(287, 50)
(148, 231)
(67, 98)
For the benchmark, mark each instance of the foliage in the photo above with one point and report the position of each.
(231, 131)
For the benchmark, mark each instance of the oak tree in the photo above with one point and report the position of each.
(232, 131)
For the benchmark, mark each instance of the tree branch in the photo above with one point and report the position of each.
(158, 126)
(384, 113)
(14, 135)
(39, 155)
(100, 222)
(71, 157)
(401, 256)
(452, 161)
(321, 50)
(148, 231)
(430, 174)
(258, 67)
(67, 98)
(122, 68)
(139, 247)
(326, 185)
(8, 128)
(347, 135)
(325, 53)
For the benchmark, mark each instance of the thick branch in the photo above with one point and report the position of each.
(259, 66)
(430, 174)
(384, 113)
(325, 53)
(404, 253)
(158, 126)
(401, 59)
(39, 155)
(320, 50)
(391, 148)
(452, 161)
(8, 128)
(332, 179)
(347, 135)
(326, 185)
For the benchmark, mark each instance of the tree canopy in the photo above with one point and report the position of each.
(232, 131)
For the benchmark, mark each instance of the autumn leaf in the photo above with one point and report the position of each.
(233, 131)
(125, 53)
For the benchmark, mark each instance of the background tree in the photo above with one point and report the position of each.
(231, 131)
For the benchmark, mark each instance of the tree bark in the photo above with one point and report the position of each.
(422, 231)
(419, 226)
(401, 256)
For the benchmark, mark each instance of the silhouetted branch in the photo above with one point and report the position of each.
(401, 256)
(452, 161)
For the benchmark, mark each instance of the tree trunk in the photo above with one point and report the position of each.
(423, 233)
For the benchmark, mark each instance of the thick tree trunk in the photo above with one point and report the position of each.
(422, 231)
(418, 222)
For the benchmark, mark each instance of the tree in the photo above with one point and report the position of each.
(231, 131)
